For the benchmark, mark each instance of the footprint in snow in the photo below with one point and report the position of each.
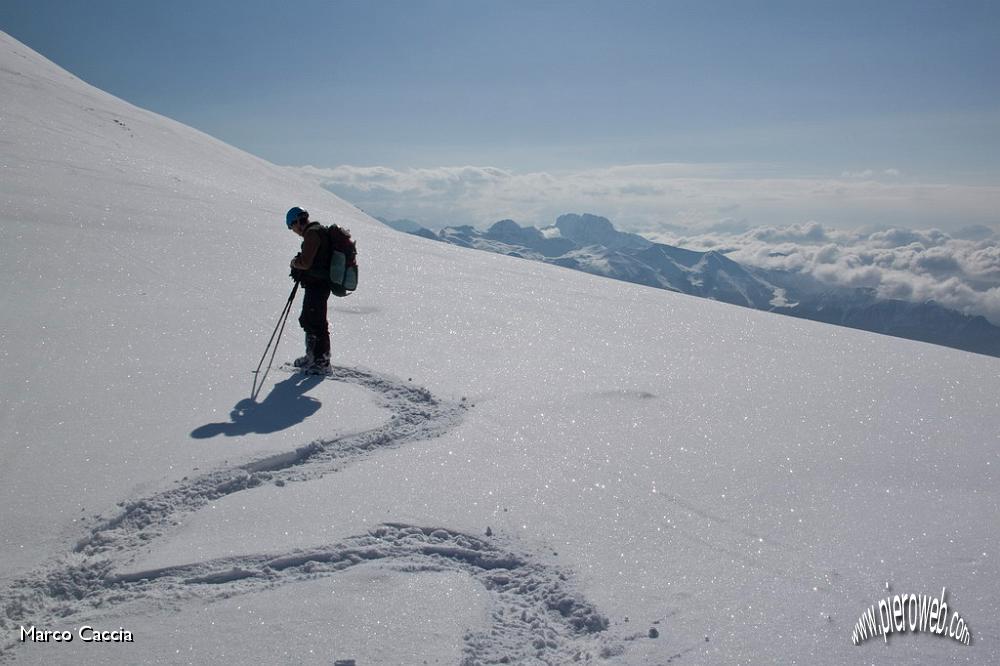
(536, 613)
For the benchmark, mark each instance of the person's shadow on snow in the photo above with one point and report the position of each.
(285, 406)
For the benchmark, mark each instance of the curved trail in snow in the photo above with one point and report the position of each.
(536, 615)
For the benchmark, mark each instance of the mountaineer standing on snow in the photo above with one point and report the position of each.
(311, 268)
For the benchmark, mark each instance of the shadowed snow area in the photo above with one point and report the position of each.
(510, 463)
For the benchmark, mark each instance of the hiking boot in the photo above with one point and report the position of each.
(320, 365)
(310, 355)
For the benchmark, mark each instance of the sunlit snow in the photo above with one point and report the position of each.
(510, 461)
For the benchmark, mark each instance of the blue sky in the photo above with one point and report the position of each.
(905, 92)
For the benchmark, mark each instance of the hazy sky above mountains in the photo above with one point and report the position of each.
(651, 113)
(653, 198)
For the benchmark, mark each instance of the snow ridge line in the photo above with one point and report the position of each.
(536, 616)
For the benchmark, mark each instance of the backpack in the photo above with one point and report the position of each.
(343, 261)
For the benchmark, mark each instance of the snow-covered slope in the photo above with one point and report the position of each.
(743, 483)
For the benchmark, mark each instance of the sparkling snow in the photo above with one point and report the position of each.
(744, 483)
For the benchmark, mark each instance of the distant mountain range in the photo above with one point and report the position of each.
(591, 243)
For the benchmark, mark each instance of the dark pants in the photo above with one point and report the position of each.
(313, 319)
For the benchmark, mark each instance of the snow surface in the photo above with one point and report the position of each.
(744, 483)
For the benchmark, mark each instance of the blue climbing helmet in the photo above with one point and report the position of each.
(294, 215)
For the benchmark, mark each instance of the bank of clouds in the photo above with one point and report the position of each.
(715, 206)
(960, 270)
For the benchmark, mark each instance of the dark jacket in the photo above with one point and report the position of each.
(313, 260)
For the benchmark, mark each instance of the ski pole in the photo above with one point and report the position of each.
(279, 328)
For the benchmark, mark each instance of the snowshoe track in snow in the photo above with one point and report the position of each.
(416, 415)
(536, 616)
